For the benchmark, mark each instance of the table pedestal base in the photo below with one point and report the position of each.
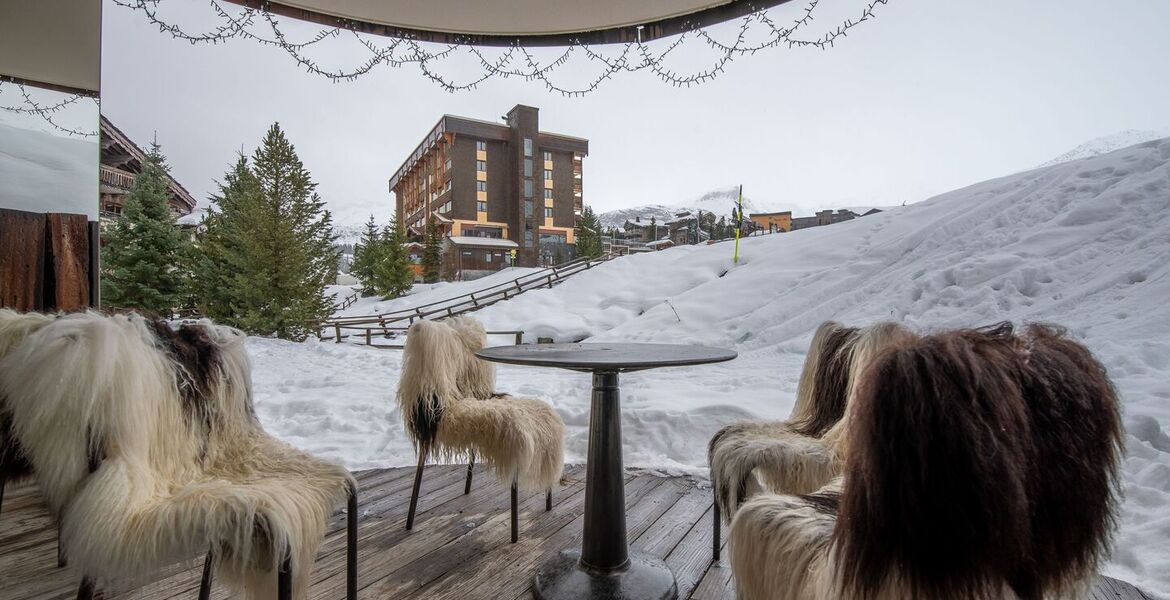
(564, 578)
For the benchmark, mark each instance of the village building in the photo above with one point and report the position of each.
(121, 161)
(773, 222)
(823, 217)
(496, 191)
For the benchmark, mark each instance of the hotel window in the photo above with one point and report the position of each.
(547, 213)
(547, 194)
(448, 164)
(547, 174)
(480, 145)
(527, 188)
(481, 206)
(528, 239)
(547, 156)
(481, 186)
(527, 146)
(528, 209)
(480, 165)
(528, 167)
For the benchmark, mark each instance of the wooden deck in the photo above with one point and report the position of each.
(459, 548)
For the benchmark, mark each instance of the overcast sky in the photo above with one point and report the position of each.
(931, 96)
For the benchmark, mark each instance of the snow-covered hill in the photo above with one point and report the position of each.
(1108, 143)
(1083, 244)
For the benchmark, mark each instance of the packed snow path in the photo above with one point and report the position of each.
(1083, 244)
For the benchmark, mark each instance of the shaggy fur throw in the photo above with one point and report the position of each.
(146, 447)
(983, 464)
(448, 407)
(800, 455)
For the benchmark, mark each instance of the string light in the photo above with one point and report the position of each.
(30, 106)
(515, 61)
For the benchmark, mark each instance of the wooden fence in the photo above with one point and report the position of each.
(458, 305)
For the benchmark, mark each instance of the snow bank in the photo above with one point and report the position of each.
(1084, 244)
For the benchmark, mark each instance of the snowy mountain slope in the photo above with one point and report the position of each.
(1108, 143)
(1083, 244)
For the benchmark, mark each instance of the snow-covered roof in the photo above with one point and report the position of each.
(657, 243)
(467, 240)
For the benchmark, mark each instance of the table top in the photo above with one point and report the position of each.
(617, 357)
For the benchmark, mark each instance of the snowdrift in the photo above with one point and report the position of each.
(1083, 244)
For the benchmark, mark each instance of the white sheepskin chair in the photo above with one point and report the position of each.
(802, 454)
(145, 445)
(981, 464)
(450, 411)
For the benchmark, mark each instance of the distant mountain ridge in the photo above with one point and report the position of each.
(720, 202)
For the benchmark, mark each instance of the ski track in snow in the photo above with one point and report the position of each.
(1083, 244)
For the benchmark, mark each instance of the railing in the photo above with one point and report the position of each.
(473, 301)
(369, 333)
(346, 302)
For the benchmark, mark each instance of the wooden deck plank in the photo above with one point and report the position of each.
(459, 548)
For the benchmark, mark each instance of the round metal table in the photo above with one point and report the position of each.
(604, 567)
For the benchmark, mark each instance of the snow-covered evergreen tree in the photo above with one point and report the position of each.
(366, 254)
(143, 249)
(393, 273)
(432, 259)
(588, 234)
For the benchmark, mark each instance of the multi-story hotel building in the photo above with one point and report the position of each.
(494, 188)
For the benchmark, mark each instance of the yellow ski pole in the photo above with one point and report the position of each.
(738, 225)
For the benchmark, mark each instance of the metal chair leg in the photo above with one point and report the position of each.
(715, 528)
(515, 515)
(85, 590)
(351, 545)
(548, 500)
(284, 579)
(470, 470)
(205, 582)
(418, 473)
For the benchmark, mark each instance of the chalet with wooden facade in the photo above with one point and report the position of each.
(493, 188)
(121, 161)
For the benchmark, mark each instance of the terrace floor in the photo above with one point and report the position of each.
(459, 548)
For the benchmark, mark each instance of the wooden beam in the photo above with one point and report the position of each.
(22, 259)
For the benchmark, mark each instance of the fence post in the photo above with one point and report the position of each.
(519, 337)
(337, 330)
(368, 342)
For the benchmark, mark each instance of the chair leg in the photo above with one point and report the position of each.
(205, 582)
(715, 526)
(61, 561)
(284, 580)
(470, 470)
(85, 590)
(548, 500)
(351, 546)
(418, 473)
(515, 515)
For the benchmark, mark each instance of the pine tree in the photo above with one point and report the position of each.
(225, 255)
(270, 250)
(432, 259)
(588, 236)
(144, 249)
(366, 256)
(393, 273)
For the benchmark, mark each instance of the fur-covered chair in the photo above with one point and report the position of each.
(451, 411)
(145, 446)
(982, 464)
(799, 455)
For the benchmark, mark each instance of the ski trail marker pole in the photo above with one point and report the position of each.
(738, 225)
